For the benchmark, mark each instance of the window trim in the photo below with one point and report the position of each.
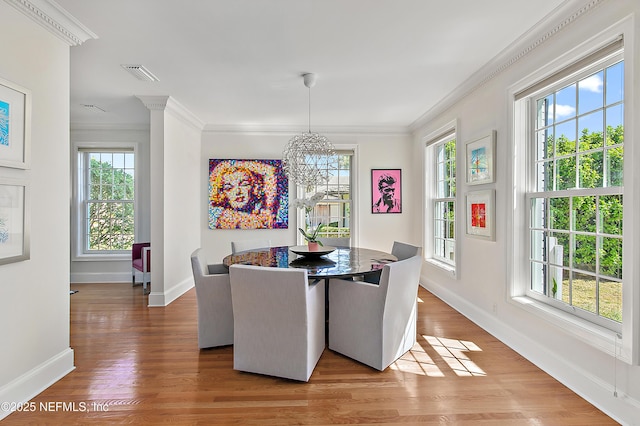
(342, 149)
(77, 232)
(447, 131)
(625, 346)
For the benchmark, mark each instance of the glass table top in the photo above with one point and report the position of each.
(341, 262)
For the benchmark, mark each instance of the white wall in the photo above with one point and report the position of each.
(480, 290)
(34, 294)
(175, 198)
(372, 151)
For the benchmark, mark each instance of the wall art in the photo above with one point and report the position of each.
(481, 159)
(248, 194)
(14, 223)
(386, 191)
(481, 214)
(15, 117)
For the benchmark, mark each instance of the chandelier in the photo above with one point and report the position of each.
(308, 157)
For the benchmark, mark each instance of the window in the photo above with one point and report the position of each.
(575, 197)
(441, 207)
(334, 209)
(105, 201)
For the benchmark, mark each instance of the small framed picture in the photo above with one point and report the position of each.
(14, 223)
(481, 159)
(386, 191)
(15, 114)
(481, 214)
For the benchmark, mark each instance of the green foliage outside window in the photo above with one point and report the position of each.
(110, 207)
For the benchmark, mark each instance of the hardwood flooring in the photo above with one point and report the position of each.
(140, 365)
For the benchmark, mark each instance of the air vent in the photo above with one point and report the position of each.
(140, 72)
(94, 108)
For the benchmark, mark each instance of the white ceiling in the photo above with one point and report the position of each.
(237, 63)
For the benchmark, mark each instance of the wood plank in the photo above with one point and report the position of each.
(141, 365)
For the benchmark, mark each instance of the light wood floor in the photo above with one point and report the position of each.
(139, 365)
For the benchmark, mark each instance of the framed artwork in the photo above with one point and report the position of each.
(386, 191)
(248, 194)
(481, 159)
(15, 117)
(481, 214)
(14, 223)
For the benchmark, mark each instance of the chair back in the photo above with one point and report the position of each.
(278, 321)
(213, 297)
(336, 241)
(404, 251)
(199, 265)
(237, 246)
(400, 282)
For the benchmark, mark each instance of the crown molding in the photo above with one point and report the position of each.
(54, 18)
(125, 127)
(168, 104)
(284, 129)
(556, 21)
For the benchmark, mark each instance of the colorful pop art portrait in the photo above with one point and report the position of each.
(248, 194)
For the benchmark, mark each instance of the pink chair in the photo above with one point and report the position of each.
(141, 260)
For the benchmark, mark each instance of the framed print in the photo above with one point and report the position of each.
(386, 191)
(14, 235)
(481, 159)
(15, 114)
(248, 194)
(481, 214)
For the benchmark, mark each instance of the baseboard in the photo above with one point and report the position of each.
(100, 277)
(622, 408)
(30, 384)
(164, 298)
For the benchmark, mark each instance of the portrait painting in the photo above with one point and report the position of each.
(248, 194)
(386, 191)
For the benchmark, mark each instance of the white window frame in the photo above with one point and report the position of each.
(625, 345)
(300, 193)
(78, 252)
(431, 141)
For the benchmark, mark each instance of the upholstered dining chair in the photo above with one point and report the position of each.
(375, 323)
(141, 261)
(243, 245)
(279, 321)
(213, 297)
(404, 251)
(400, 250)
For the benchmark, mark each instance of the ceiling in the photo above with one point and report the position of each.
(237, 64)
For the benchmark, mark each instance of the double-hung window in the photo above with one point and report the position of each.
(575, 189)
(441, 208)
(334, 210)
(105, 201)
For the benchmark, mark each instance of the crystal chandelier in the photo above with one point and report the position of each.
(308, 157)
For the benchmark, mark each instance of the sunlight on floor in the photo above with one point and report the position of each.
(451, 351)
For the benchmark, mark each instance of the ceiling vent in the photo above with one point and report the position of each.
(140, 72)
(94, 108)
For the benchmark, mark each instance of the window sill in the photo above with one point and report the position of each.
(116, 257)
(595, 336)
(444, 266)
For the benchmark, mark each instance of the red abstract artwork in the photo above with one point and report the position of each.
(479, 215)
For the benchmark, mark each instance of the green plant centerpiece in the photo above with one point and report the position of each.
(312, 237)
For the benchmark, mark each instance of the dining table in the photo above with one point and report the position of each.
(325, 263)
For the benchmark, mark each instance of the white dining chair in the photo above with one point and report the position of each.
(243, 245)
(404, 251)
(279, 321)
(375, 323)
(401, 251)
(213, 298)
